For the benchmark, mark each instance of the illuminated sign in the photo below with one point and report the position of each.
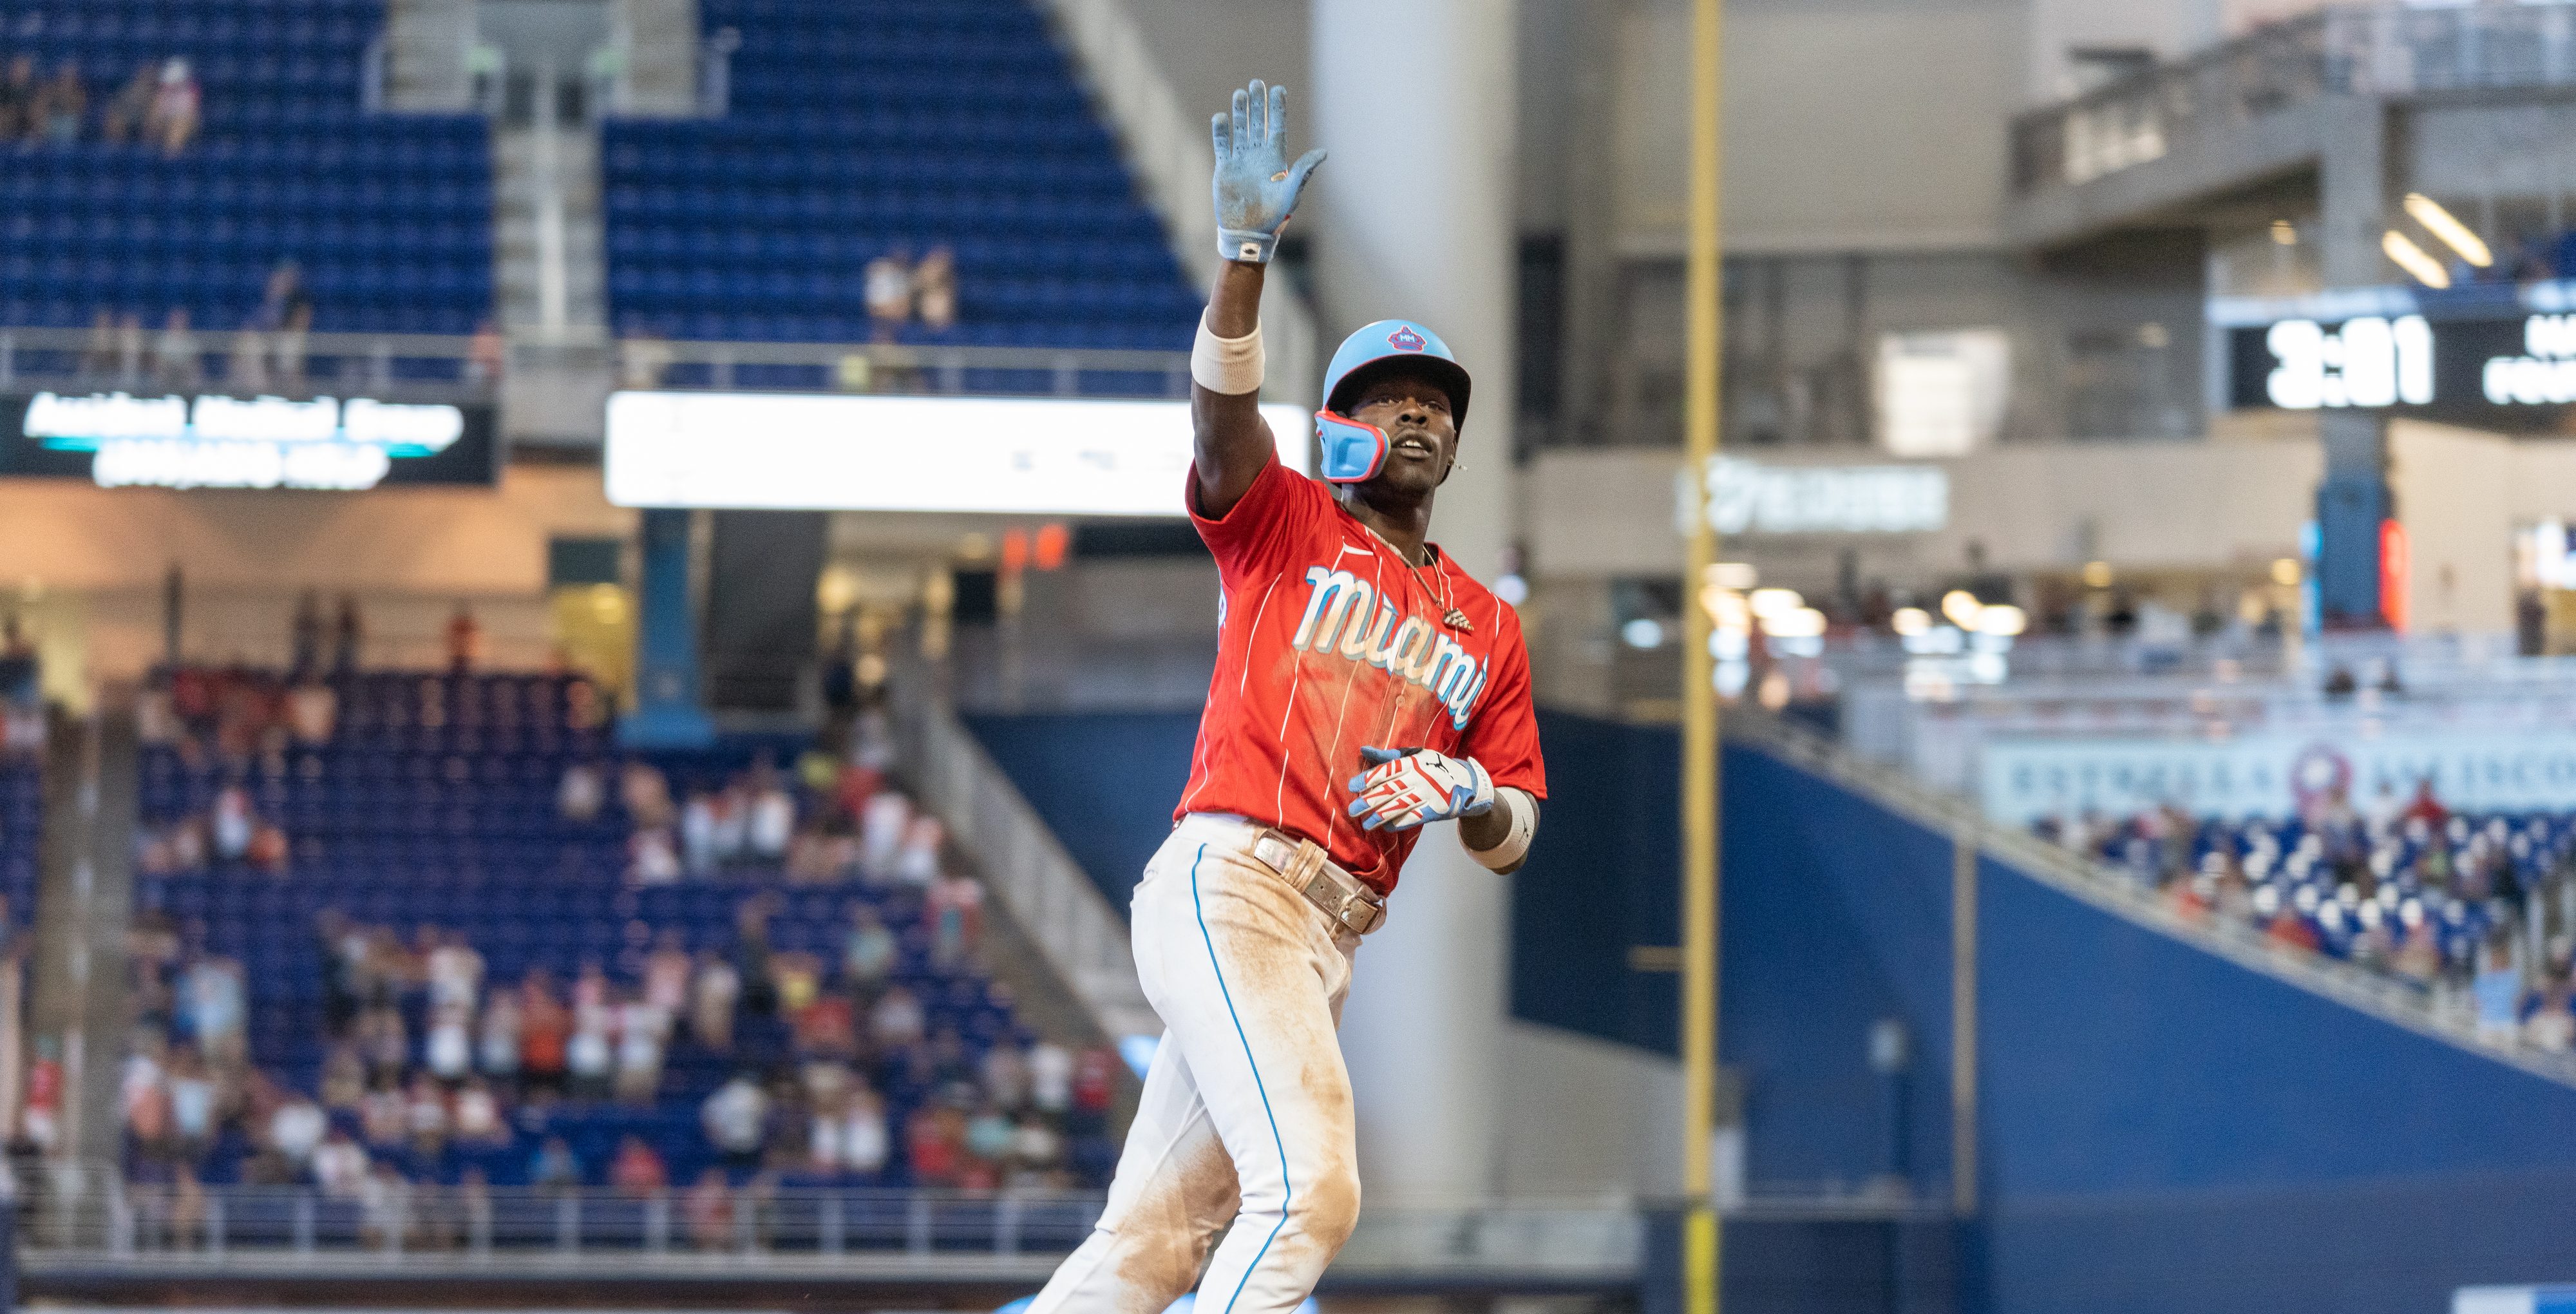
(214, 441)
(1744, 497)
(2545, 372)
(2369, 361)
(999, 455)
(2497, 356)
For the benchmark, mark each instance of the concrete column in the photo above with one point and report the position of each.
(669, 710)
(2353, 499)
(1413, 217)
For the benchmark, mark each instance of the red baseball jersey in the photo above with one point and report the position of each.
(1327, 642)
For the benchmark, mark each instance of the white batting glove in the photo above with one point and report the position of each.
(1406, 787)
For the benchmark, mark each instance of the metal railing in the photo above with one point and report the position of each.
(2437, 1012)
(90, 1217)
(1021, 862)
(391, 365)
(2378, 51)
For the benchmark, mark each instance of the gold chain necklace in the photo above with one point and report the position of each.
(1449, 613)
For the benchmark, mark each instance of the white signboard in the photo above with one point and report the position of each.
(2023, 780)
(822, 452)
(1942, 394)
(1744, 497)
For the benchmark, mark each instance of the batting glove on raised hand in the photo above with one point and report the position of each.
(1256, 187)
(1406, 787)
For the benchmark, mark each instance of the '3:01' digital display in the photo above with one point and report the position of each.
(2368, 362)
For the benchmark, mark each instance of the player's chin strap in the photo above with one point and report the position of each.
(1515, 845)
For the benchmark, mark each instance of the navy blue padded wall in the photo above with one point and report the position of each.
(863, 127)
(2160, 1128)
(1104, 782)
(390, 216)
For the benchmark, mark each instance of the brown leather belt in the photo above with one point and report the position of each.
(1303, 863)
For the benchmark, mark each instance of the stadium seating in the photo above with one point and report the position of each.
(435, 802)
(879, 127)
(388, 216)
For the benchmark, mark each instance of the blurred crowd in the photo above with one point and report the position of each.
(2479, 911)
(161, 105)
(432, 1074)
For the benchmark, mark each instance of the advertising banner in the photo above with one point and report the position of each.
(2022, 780)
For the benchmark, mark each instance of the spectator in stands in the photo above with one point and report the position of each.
(887, 284)
(295, 1131)
(545, 1027)
(176, 104)
(710, 1211)
(485, 356)
(637, 1172)
(1051, 1078)
(123, 116)
(339, 1165)
(652, 859)
(348, 634)
(936, 1146)
(464, 640)
(868, 950)
(643, 358)
(66, 104)
(646, 794)
(478, 1115)
(214, 1006)
(897, 1020)
(2551, 1020)
(449, 1049)
(98, 354)
(425, 1117)
(555, 1169)
(590, 1055)
(497, 1046)
(581, 794)
(18, 100)
(2498, 992)
(955, 908)
(864, 1141)
(192, 1103)
(642, 1029)
(935, 289)
(714, 995)
(175, 355)
(917, 863)
(770, 817)
(699, 828)
(735, 1118)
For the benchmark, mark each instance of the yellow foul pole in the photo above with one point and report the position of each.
(1700, 1249)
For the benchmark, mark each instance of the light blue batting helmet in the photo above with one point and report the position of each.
(1373, 349)
(1354, 452)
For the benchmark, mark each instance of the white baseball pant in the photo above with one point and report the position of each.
(1246, 1113)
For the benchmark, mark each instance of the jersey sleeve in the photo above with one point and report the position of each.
(1266, 527)
(1504, 733)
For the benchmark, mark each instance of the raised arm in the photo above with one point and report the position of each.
(1256, 189)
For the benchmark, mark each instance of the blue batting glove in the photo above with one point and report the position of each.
(1256, 188)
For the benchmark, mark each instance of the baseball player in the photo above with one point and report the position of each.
(1365, 687)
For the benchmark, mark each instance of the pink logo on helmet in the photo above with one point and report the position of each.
(1405, 339)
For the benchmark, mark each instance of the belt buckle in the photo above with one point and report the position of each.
(1273, 850)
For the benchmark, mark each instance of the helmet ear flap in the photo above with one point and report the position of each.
(1352, 452)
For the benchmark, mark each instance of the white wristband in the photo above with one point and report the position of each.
(1228, 365)
(1515, 845)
